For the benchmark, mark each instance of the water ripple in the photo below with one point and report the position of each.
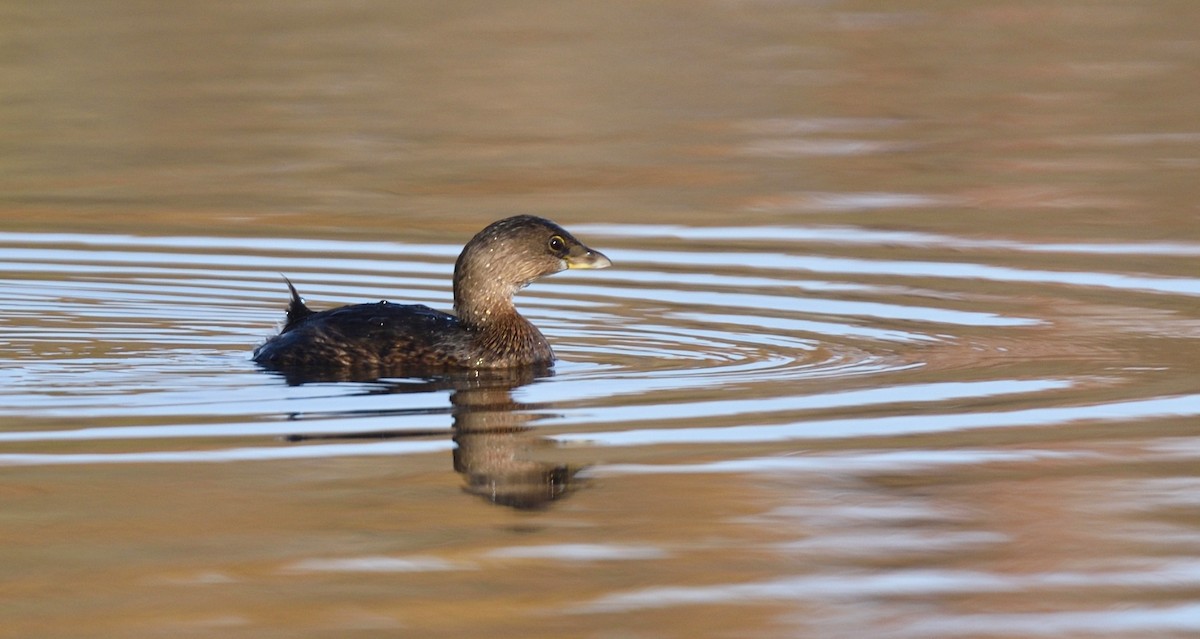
(164, 326)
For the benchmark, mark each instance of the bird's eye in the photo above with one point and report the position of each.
(557, 243)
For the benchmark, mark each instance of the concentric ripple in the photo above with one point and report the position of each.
(144, 338)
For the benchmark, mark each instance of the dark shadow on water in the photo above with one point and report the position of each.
(493, 433)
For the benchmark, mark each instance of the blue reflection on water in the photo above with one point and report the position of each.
(918, 393)
(1185, 405)
(264, 453)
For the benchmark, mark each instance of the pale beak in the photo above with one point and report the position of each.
(588, 259)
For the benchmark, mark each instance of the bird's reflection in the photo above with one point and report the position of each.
(492, 432)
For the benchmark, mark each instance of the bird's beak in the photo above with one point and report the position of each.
(588, 259)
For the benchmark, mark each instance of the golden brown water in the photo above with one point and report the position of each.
(901, 340)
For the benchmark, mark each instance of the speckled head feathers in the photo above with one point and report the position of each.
(507, 256)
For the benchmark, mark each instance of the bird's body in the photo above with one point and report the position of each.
(485, 332)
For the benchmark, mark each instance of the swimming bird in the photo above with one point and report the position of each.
(485, 331)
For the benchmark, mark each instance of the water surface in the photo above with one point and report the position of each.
(900, 340)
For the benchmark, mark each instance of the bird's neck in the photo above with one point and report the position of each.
(480, 302)
(505, 334)
(486, 309)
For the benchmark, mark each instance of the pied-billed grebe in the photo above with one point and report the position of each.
(486, 331)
